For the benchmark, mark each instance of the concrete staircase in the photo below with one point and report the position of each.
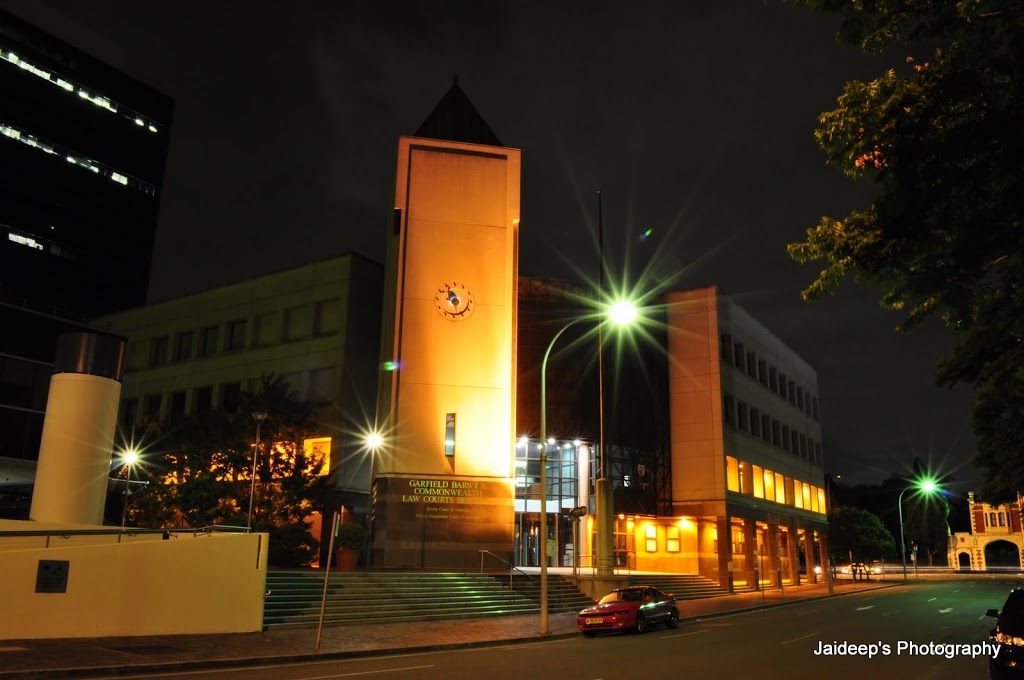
(685, 586)
(293, 597)
(563, 595)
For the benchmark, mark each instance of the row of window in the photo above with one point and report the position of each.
(72, 87)
(992, 517)
(760, 482)
(768, 376)
(293, 323)
(737, 413)
(74, 158)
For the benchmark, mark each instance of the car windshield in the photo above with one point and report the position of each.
(1011, 620)
(622, 596)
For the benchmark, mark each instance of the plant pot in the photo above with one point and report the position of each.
(346, 559)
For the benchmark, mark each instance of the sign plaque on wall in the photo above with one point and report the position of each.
(52, 576)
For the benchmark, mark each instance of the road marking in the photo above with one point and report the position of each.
(933, 599)
(801, 638)
(946, 611)
(695, 632)
(897, 611)
(870, 606)
(351, 675)
(805, 613)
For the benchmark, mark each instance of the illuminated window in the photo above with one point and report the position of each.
(651, 538)
(769, 485)
(780, 488)
(449, 434)
(798, 496)
(745, 481)
(814, 498)
(672, 539)
(758, 479)
(732, 474)
(821, 502)
(806, 490)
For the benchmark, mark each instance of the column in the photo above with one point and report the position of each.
(724, 553)
(794, 564)
(774, 551)
(749, 551)
(809, 555)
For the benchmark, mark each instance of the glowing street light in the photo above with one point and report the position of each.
(259, 417)
(128, 459)
(926, 486)
(619, 313)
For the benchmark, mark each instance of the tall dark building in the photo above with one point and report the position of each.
(84, 148)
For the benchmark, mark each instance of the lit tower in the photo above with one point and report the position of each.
(443, 476)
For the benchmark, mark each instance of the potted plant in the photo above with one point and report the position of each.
(349, 542)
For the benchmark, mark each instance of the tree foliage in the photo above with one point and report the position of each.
(857, 533)
(942, 138)
(200, 472)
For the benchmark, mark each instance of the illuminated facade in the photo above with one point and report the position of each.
(747, 475)
(443, 481)
(996, 538)
(84, 149)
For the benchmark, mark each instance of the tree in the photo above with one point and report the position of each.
(201, 475)
(941, 137)
(857, 534)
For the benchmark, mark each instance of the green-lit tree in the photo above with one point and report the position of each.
(857, 534)
(200, 473)
(941, 135)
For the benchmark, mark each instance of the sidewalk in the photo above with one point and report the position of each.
(90, 656)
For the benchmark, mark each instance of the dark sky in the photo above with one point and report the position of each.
(695, 119)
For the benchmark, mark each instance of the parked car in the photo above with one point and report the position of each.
(633, 608)
(1009, 635)
(861, 569)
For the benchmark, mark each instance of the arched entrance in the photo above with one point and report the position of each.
(964, 560)
(1002, 555)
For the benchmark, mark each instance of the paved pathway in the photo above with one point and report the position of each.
(88, 656)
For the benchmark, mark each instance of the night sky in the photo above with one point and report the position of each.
(695, 119)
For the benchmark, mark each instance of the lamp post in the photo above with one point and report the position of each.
(128, 458)
(927, 486)
(621, 313)
(259, 417)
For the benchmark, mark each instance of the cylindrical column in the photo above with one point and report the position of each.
(605, 527)
(78, 430)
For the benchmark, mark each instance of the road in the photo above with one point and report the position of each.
(794, 641)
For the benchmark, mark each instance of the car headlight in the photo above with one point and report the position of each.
(1012, 640)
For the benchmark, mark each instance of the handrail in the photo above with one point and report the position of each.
(511, 567)
(117, 531)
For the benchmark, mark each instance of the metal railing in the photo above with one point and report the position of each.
(511, 567)
(120, 532)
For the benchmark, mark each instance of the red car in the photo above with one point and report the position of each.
(633, 608)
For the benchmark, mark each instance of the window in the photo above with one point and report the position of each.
(327, 316)
(236, 336)
(800, 398)
(739, 358)
(758, 479)
(769, 485)
(762, 372)
(773, 380)
(151, 406)
(323, 385)
(725, 346)
(745, 481)
(1002, 519)
(791, 393)
(202, 399)
(755, 422)
(267, 329)
(743, 416)
(782, 385)
(752, 365)
(803, 446)
(672, 539)
(814, 407)
(776, 433)
(297, 322)
(230, 396)
(732, 474)
(817, 453)
(651, 538)
(208, 339)
(766, 427)
(130, 411)
(183, 346)
(785, 438)
(176, 409)
(728, 410)
(780, 488)
(158, 351)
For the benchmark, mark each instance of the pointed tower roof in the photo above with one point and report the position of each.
(455, 119)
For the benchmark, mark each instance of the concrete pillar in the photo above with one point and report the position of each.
(78, 430)
(774, 553)
(605, 527)
(724, 553)
(749, 551)
(809, 555)
(794, 564)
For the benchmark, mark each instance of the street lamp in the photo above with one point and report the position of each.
(259, 417)
(620, 313)
(128, 458)
(927, 486)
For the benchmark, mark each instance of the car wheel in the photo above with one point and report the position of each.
(673, 619)
(589, 633)
(640, 625)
